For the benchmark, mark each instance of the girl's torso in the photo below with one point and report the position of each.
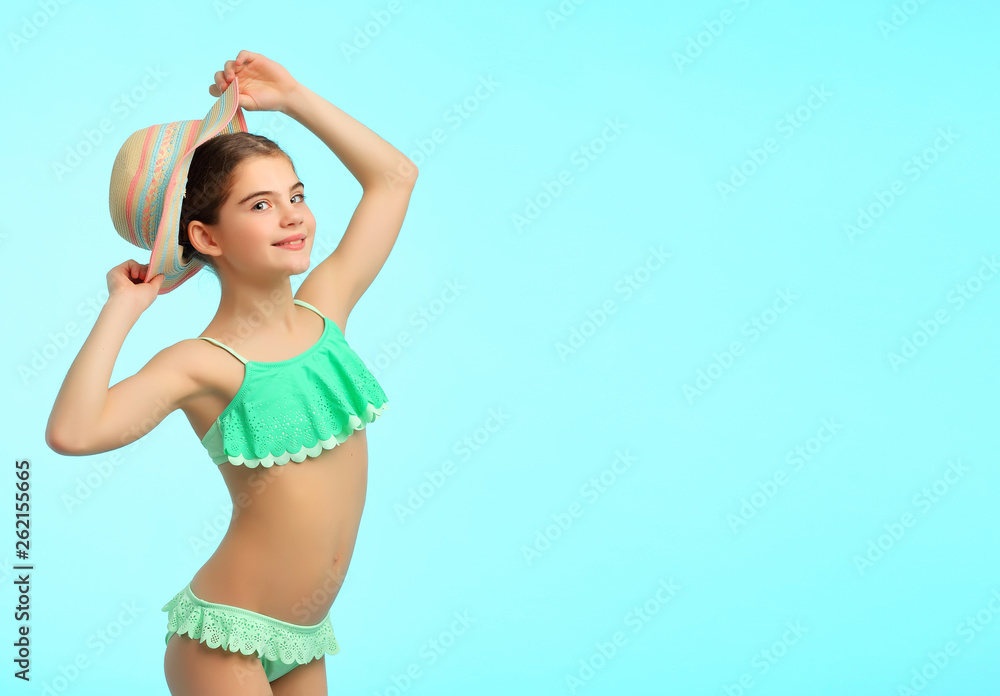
(294, 524)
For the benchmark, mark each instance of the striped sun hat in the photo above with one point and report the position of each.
(148, 181)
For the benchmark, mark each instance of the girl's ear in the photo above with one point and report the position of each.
(200, 238)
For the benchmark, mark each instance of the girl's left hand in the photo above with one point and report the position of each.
(264, 84)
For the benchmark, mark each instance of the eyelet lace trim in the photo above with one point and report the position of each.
(248, 632)
(354, 423)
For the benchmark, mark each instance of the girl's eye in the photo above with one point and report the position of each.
(300, 195)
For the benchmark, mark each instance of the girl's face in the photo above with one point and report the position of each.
(265, 207)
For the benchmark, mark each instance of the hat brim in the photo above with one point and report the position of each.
(225, 115)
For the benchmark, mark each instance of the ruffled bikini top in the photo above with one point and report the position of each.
(293, 409)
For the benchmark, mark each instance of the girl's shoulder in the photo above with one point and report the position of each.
(202, 362)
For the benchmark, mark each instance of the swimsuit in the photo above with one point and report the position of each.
(284, 411)
(295, 408)
(281, 646)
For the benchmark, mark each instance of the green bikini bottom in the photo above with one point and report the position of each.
(281, 646)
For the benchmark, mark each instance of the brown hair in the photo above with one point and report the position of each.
(210, 181)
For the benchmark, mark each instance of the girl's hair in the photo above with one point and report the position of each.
(210, 181)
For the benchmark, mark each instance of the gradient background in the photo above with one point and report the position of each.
(714, 503)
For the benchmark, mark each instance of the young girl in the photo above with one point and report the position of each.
(272, 389)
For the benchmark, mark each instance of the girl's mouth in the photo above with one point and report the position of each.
(292, 246)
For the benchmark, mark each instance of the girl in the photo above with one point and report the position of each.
(271, 388)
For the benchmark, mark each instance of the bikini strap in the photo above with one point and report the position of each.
(306, 304)
(222, 345)
(240, 357)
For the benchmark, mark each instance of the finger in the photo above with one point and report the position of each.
(220, 82)
(229, 70)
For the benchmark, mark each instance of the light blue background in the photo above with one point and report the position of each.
(696, 461)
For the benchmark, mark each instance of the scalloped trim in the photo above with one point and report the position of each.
(221, 625)
(355, 423)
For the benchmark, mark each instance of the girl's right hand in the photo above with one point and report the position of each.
(125, 284)
(265, 85)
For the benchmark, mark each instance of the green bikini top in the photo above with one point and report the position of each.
(296, 408)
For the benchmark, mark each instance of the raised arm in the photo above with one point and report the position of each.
(386, 176)
(88, 417)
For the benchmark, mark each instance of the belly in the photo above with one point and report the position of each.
(292, 534)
